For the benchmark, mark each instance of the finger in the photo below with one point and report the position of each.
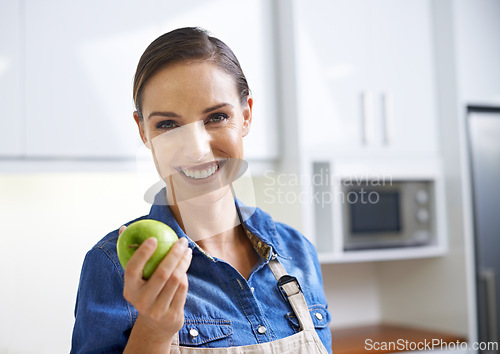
(133, 270)
(121, 230)
(149, 290)
(176, 283)
(179, 274)
(175, 309)
(164, 270)
(179, 299)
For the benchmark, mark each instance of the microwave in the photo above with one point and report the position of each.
(399, 213)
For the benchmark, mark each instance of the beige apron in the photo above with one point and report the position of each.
(304, 342)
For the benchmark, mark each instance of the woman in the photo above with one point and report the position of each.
(193, 109)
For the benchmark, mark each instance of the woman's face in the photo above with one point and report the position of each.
(194, 122)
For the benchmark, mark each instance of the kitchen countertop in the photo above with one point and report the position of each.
(390, 338)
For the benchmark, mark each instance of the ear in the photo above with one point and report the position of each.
(247, 116)
(140, 125)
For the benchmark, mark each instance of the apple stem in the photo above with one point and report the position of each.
(135, 246)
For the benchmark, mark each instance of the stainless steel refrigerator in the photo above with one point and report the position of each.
(483, 124)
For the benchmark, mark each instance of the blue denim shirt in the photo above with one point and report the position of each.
(221, 305)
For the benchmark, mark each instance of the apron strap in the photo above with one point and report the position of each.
(293, 292)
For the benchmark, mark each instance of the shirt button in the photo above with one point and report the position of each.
(252, 289)
(318, 316)
(193, 332)
(261, 329)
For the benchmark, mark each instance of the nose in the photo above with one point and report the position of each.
(196, 142)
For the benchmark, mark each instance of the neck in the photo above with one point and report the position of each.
(210, 217)
(212, 222)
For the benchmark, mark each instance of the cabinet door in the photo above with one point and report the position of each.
(332, 71)
(81, 58)
(11, 118)
(80, 61)
(402, 69)
(365, 72)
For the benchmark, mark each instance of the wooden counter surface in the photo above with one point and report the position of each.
(386, 338)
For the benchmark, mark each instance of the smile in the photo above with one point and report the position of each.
(201, 171)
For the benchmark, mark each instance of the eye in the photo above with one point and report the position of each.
(217, 118)
(166, 124)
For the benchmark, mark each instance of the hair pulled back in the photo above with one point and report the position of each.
(186, 44)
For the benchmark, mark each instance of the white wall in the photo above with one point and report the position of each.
(49, 222)
(353, 294)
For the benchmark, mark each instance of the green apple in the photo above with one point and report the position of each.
(136, 233)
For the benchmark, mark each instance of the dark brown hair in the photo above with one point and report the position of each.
(185, 44)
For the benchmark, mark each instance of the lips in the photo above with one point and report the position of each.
(200, 171)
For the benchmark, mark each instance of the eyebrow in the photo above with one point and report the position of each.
(164, 114)
(175, 115)
(217, 106)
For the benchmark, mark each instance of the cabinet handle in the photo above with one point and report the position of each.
(367, 117)
(487, 276)
(388, 117)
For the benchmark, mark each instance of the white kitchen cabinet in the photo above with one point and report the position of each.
(11, 117)
(81, 57)
(365, 77)
(79, 67)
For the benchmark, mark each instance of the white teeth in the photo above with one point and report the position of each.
(200, 174)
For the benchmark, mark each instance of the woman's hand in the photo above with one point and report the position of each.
(160, 299)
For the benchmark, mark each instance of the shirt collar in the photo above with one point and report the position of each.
(254, 220)
(261, 225)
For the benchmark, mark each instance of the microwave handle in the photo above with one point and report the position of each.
(367, 117)
(388, 117)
